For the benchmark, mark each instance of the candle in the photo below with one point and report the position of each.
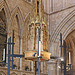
(4, 54)
(39, 47)
(69, 57)
(31, 65)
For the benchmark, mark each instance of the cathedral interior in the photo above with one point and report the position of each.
(25, 17)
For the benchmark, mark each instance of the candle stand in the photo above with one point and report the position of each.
(69, 66)
(37, 55)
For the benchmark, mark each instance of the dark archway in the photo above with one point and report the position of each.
(70, 42)
(3, 36)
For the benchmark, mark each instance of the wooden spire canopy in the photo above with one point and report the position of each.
(31, 53)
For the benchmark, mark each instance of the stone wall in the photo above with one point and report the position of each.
(3, 71)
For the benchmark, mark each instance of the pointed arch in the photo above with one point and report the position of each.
(3, 5)
(16, 25)
(5, 16)
(17, 12)
(66, 25)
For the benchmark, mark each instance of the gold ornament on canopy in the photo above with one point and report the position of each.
(38, 22)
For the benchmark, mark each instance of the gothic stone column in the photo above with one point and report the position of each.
(52, 67)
